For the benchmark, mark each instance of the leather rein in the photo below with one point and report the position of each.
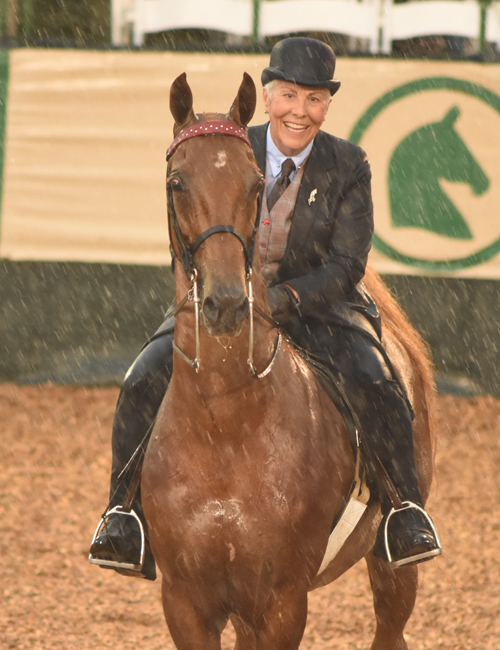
(186, 252)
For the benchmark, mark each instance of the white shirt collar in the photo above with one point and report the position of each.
(275, 158)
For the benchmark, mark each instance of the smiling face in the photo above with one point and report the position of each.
(296, 114)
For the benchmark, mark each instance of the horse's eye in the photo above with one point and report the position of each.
(175, 184)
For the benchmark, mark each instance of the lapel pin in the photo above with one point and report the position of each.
(312, 196)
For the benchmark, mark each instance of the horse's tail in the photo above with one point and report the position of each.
(396, 322)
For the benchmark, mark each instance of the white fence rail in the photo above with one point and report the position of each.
(345, 16)
(430, 18)
(493, 24)
(233, 16)
(378, 21)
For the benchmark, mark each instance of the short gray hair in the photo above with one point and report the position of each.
(270, 86)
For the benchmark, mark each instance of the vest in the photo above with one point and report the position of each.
(275, 228)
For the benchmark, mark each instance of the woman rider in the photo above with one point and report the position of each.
(314, 238)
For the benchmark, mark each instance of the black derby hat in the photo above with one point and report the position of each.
(302, 61)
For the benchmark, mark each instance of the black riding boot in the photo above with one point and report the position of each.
(406, 534)
(120, 543)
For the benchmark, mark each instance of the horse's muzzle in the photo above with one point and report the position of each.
(224, 310)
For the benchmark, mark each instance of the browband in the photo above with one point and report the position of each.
(208, 128)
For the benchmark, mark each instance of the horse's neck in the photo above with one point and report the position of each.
(223, 361)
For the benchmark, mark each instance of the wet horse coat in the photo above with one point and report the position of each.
(244, 475)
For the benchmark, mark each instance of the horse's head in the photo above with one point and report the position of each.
(213, 184)
(453, 158)
(424, 158)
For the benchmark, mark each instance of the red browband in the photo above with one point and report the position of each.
(208, 128)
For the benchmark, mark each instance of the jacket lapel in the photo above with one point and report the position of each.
(258, 135)
(312, 198)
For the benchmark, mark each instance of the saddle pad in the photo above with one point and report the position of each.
(347, 523)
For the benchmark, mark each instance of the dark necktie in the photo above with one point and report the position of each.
(282, 182)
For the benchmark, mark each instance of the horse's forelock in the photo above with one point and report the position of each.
(212, 117)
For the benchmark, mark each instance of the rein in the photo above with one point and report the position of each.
(186, 252)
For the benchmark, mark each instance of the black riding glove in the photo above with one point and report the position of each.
(282, 303)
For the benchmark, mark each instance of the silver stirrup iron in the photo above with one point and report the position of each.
(407, 505)
(112, 563)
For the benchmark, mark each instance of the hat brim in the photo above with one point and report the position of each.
(270, 74)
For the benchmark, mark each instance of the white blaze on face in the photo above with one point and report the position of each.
(221, 159)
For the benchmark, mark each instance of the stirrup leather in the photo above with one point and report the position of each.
(407, 505)
(102, 527)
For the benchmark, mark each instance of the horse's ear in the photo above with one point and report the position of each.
(452, 115)
(181, 103)
(243, 106)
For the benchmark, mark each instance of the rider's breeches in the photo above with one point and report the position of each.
(385, 420)
(140, 397)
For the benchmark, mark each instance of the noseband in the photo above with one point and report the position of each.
(186, 251)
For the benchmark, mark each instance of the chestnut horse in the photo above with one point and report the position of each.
(249, 461)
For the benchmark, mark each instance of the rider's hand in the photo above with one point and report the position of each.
(282, 303)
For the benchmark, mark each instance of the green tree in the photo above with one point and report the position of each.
(63, 21)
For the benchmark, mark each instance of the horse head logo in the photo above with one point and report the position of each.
(427, 155)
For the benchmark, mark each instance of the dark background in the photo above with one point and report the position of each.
(85, 323)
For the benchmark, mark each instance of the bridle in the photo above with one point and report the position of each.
(186, 252)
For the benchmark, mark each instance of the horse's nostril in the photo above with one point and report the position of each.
(242, 310)
(210, 310)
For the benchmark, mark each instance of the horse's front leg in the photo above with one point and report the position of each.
(193, 626)
(280, 626)
(394, 595)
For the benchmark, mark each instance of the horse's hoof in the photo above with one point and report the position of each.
(407, 536)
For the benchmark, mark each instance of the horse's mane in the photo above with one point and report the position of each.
(395, 321)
